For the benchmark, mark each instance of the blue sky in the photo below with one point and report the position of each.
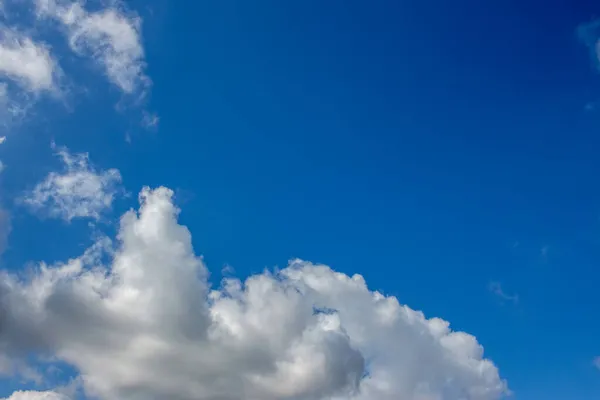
(445, 151)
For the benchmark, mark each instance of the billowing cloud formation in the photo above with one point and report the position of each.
(146, 325)
(110, 36)
(78, 192)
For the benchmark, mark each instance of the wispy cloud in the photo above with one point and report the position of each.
(497, 290)
(27, 70)
(589, 34)
(110, 36)
(596, 362)
(79, 191)
(544, 251)
(11, 368)
(27, 63)
(150, 120)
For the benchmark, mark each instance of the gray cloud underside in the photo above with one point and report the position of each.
(146, 325)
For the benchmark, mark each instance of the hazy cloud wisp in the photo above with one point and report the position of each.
(110, 36)
(79, 191)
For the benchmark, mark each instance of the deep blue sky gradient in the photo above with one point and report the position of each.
(434, 147)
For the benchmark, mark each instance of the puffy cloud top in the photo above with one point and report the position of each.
(147, 325)
(34, 395)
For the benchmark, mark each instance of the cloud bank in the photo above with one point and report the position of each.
(137, 318)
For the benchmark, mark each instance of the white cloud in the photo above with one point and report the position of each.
(147, 326)
(27, 70)
(34, 395)
(496, 289)
(25, 62)
(150, 120)
(111, 36)
(596, 362)
(78, 192)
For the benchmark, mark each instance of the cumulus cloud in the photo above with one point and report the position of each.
(34, 395)
(110, 36)
(79, 191)
(138, 319)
